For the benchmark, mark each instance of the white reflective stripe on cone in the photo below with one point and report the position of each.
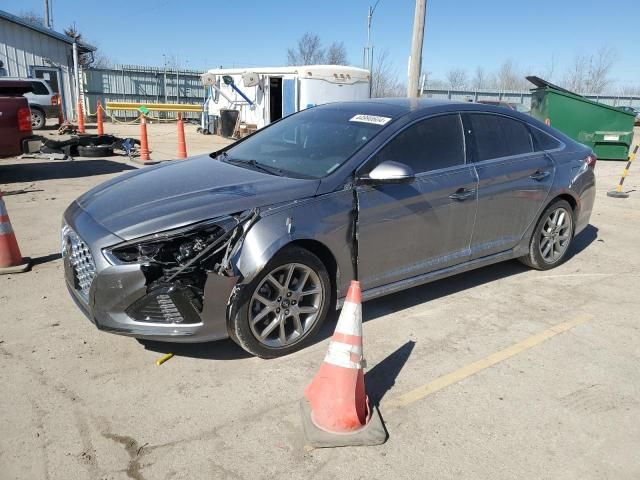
(3, 208)
(340, 355)
(350, 320)
(5, 228)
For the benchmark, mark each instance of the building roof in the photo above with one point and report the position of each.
(84, 47)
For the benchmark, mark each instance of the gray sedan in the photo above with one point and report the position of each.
(259, 240)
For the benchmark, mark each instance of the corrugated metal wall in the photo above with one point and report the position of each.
(134, 83)
(22, 48)
(523, 97)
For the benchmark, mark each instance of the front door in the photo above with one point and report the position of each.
(409, 229)
(514, 181)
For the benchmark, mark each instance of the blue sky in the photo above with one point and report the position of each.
(459, 33)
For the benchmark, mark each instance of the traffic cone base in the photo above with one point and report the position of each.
(372, 433)
(11, 260)
(17, 268)
(336, 409)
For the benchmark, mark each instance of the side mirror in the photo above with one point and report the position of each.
(389, 172)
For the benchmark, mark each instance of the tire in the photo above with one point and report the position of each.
(38, 119)
(276, 305)
(95, 151)
(542, 255)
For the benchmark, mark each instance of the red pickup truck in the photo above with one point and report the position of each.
(15, 117)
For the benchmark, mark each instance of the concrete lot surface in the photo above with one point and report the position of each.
(459, 400)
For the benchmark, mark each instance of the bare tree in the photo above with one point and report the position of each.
(630, 89)
(599, 68)
(590, 73)
(457, 78)
(336, 54)
(308, 51)
(508, 77)
(384, 79)
(101, 60)
(32, 17)
(550, 69)
(480, 79)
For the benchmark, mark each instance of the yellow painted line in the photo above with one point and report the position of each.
(475, 367)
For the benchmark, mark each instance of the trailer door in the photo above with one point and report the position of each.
(289, 96)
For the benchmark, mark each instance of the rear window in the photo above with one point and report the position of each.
(496, 136)
(39, 88)
(543, 141)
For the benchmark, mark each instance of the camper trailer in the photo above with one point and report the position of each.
(264, 95)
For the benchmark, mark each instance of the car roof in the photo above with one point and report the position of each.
(391, 107)
(398, 107)
(21, 79)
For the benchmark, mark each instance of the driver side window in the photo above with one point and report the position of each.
(428, 145)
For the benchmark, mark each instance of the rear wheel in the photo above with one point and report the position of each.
(551, 238)
(281, 309)
(38, 120)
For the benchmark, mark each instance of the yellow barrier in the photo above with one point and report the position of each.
(154, 107)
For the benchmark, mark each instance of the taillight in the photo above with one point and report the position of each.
(24, 119)
(55, 99)
(591, 160)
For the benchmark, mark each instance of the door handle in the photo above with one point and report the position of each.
(540, 175)
(462, 194)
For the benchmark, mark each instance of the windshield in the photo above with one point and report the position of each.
(309, 144)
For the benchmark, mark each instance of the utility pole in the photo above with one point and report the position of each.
(47, 19)
(368, 52)
(415, 61)
(367, 60)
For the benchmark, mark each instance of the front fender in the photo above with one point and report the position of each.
(326, 219)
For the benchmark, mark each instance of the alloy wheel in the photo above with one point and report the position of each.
(285, 305)
(555, 235)
(37, 120)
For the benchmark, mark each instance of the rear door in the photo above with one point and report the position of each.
(410, 229)
(513, 181)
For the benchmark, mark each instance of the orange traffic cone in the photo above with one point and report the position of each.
(144, 143)
(11, 260)
(337, 411)
(99, 118)
(182, 144)
(80, 117)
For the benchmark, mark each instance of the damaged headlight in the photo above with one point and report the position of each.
(173, 248)
(176, 264)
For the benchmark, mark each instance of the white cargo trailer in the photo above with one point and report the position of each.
(263, 95)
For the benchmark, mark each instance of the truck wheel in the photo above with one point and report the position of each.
(38, 120)
(282, 309)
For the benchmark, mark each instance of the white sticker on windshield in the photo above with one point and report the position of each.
(375, 119)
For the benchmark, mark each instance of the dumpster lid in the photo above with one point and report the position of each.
(540, 82)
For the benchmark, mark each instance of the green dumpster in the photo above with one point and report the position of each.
(607, 130)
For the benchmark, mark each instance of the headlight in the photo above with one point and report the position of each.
(170, 248)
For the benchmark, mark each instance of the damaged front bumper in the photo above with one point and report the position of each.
(123, 298)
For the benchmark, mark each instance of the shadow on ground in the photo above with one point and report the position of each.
(381, 378)
(52, 257)
(228, 350)
(32, 172)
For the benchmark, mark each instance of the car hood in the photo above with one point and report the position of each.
(175, 194)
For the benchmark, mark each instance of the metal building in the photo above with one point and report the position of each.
(31, 50)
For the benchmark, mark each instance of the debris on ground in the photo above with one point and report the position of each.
(92, 146)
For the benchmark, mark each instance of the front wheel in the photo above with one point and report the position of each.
(551, 238)
(281, 309)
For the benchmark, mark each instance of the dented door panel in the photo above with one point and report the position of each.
(406, 230)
